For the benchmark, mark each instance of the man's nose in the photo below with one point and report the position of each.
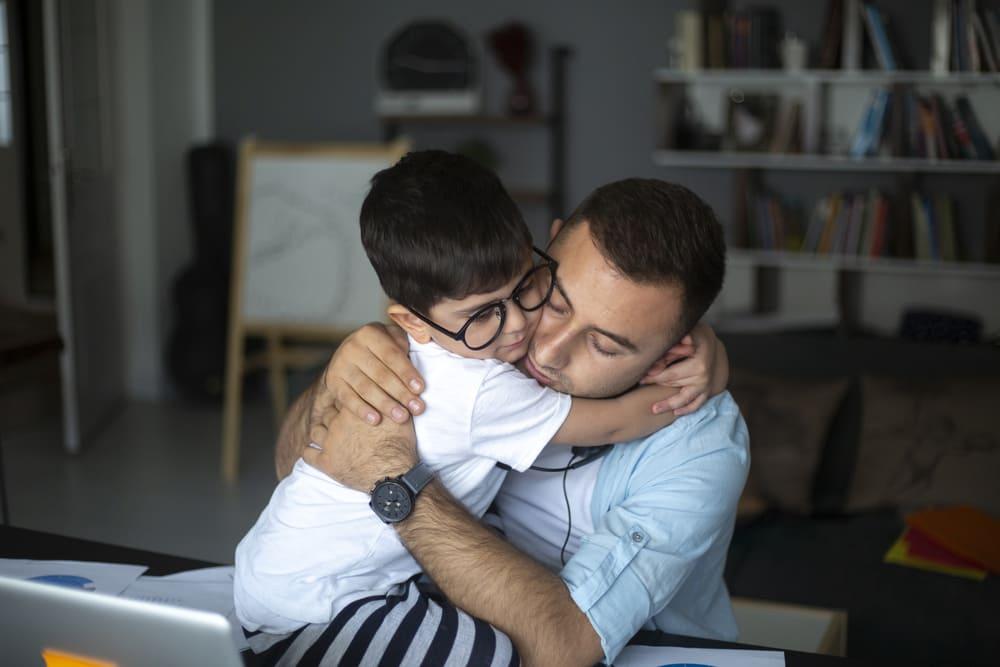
(551, 344)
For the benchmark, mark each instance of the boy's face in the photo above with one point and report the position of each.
(518, 327)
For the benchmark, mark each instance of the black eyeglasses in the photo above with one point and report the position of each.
(486, 324)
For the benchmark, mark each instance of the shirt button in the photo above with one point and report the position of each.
(637, 536)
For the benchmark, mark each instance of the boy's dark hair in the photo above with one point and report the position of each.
(656, 232)
(438, 225)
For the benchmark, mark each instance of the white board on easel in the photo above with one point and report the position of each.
(299, 268)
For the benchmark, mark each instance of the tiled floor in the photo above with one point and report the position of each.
(150, 480)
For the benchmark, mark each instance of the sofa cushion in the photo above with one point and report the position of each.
(926, 443)
(788, 420)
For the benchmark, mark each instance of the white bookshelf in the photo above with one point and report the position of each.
(779, 288)
(739, 257)
(738, 77)
(798, 162)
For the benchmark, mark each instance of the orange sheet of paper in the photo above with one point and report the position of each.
(54, 658)
(966, 531)
(900, 554)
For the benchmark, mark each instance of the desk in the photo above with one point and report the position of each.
(22, 543)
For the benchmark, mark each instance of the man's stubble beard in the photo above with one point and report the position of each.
(561, 383)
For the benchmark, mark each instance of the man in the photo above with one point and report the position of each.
(644, 529)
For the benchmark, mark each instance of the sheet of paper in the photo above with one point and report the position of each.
(210, 589)
(109, 578)
(662, 656)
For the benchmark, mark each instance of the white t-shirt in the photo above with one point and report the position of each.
(533, 506)
(318, 546)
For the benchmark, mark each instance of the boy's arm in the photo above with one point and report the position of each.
(698, 365)
(597, 421)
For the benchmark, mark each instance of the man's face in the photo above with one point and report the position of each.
(600, 332)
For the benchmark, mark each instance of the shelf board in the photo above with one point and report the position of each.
(827, 76)
(782, 161)
(471, 119)
(809, 261)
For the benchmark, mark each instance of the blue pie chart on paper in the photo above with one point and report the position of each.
(67, 580)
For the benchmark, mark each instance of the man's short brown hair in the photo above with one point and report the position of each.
(654, 232)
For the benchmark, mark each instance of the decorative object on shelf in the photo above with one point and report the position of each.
(552, 123)
(688, 34)
(794, 53)
(429, 67)
(750, 121)
(512, 45)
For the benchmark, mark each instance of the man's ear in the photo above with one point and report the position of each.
(557, 224)
(409, 322)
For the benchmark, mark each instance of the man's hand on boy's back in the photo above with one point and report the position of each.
(357, 454)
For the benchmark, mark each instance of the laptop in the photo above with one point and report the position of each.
(54, 626)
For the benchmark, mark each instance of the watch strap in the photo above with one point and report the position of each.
(418, 477)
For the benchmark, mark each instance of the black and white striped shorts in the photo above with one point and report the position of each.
(413, 628)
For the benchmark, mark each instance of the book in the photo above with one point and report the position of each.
(943, 146)
(962, 138)
(958, 39)
(817, 221)
(940, 36)
(850, 49)
(863, 135)
(881, 242)
(716, 41)
(787, 128)
(829, 54)
(944, 213)
(914, 128)
(932, 225)
(921, 229)
(992, 21)
(866, 244)
(875, 23)
(829, 225)
(984, 151)
(855, 225)
(944, 115)
(969, 34)
(688, 33)
(928, 138)
(900, 226)
(985, 48)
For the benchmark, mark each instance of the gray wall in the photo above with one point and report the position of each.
(305, 70)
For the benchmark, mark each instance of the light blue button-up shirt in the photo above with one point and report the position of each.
(664, 508)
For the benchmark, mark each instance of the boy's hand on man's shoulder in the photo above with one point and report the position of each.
(370, 375)
(697, 365)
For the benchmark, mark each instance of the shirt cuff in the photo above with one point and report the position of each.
(615, 615)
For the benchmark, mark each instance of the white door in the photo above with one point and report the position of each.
(87, 282)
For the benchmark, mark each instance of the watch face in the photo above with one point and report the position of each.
(391, 501)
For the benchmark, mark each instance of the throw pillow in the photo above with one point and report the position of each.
(788, 420)
(928, 443)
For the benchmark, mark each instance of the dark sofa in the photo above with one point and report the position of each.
(831, 557)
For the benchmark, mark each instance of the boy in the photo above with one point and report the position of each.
(455, 257)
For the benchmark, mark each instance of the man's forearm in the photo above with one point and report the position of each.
(488, 578)
(294, 433)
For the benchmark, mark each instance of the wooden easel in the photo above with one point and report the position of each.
(285, 332)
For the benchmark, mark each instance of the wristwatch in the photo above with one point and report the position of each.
(393, 497)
